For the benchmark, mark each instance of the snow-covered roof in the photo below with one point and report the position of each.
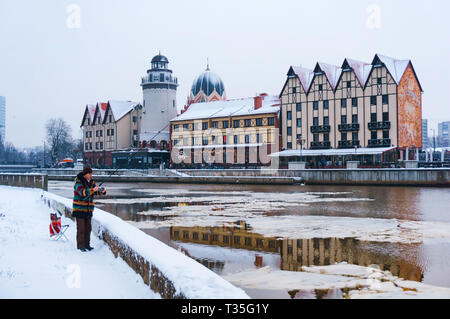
(91, 110)
(395, 67)
(237, 107)
(304, 75)
(102, 106)
(121, 108)
(362, 70)
(332, 73)
(331, 152)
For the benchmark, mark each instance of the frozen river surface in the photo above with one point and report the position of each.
(258, 231)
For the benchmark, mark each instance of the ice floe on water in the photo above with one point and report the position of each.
(351, 281)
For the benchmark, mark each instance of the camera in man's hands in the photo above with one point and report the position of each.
(101, 190)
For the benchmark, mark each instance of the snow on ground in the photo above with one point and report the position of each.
(34, 266)
(353, 280)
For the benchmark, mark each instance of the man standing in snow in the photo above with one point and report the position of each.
(83, 206)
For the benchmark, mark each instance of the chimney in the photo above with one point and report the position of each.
(258, 102)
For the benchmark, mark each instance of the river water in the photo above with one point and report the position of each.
(234, 228)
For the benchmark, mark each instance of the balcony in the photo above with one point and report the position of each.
(320, 128)
(320, 145)
(348, 144)
(384, 142)
(385, 125)
(348, 127)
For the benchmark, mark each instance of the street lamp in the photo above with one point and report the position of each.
(300, 141)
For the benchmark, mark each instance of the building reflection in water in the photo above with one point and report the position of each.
(296, 253)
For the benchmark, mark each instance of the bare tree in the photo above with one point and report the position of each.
(59, 139)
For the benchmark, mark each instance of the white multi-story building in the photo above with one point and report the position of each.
(2, 118)
(159, 102)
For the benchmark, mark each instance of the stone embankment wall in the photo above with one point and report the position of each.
(165, 270)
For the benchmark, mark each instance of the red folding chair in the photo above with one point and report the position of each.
(56, 229)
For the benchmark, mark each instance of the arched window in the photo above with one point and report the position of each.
(153, 144)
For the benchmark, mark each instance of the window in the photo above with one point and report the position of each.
(385, 116)
(343, 136)
(315, 105)
(379, 81)
(224, 139)
(175, 141)
(96, 145)
(355, 118)
(325, 120)
(247, 139)
(213, 139)
(343, 102)
(235, 139)
(289, 145)
(205, 236)
(373, 100)
(236, 123)
(373, 117)
(289, 115)
(385, 99)
(325, 104)
(195, 235)
(205, 125)
(101, 133)
(247, 123)
(299, 122)
(205, 140)
(373, 135)
(315, 137)
(236, 239)
(185, 235)
(110, 118)
(326, 137)
(355, 102)
(271, 121)
(320, 87)
(315, 121)
(349, 84)
(248, 241)
(294, 90)
(134, 119)
(175, 127)
(355, 136)
(87, 134)
(185, 127)
(135, 132)
(96, 133)
(225, 124)
(259, 122)
(385, 134)
(215, 124)
(90, 146)
(343, 119)
(299, 107)
(101, 145)
(107, 132)
(289, 131)
(161, 77)
(86, 146)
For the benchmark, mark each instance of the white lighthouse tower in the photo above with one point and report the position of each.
(160, 102)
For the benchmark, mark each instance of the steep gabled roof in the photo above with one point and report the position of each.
(332, 73)
(395, 67)
(361, 69)
(90, 110)
(304, 75)
(120, 108)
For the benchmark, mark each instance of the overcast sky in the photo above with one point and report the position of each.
(56, 56)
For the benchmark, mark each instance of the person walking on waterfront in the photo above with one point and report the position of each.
(83, 205)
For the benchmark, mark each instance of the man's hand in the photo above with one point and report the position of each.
(96, 189)
(104, 191)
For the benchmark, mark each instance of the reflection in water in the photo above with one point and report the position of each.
(296, 253)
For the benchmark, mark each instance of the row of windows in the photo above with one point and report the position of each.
(98, 146)
(214, 140)
(325, 103)
(225, 124)
(344, 137)
(348, 84)
(225, 238)
(99, 133)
